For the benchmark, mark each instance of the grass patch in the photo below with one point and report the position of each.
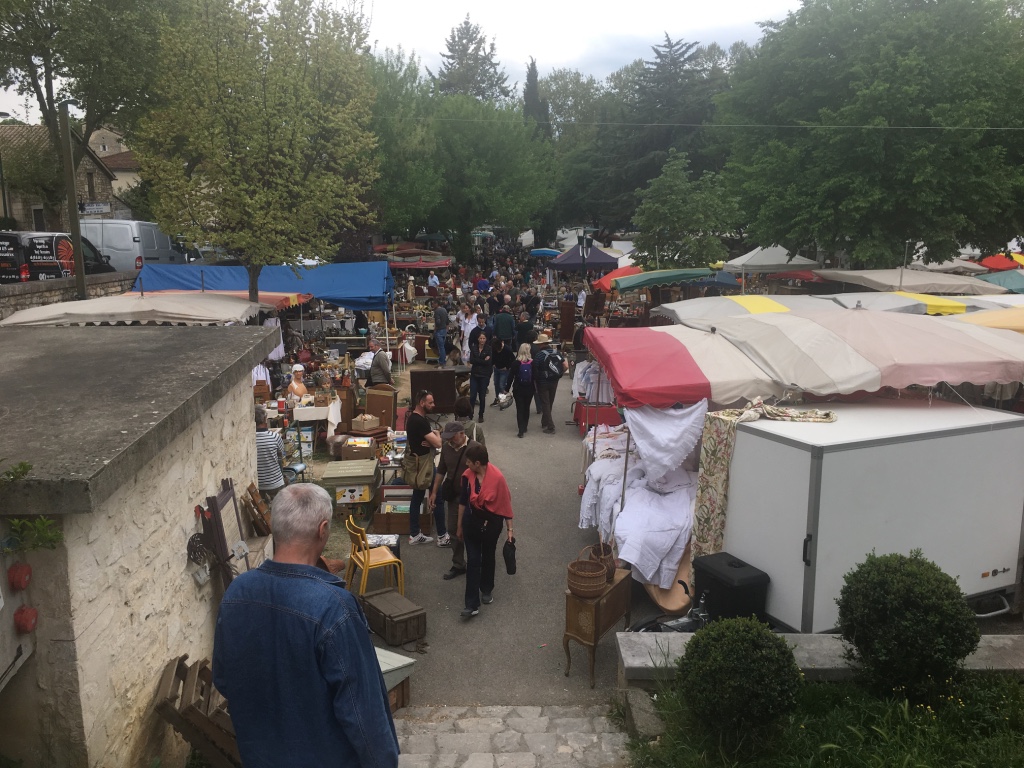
(979, 721)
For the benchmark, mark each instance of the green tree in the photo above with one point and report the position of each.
(101, 53)
(572, 99)
(535, 107)
(871, 124)
(139, 198)
(469, 66)
(685, 222)
(260, 144)
(409, 185)
(493, 170)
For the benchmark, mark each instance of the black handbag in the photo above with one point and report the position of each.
(508, 551)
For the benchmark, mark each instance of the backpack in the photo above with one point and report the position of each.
(525, 375)
(550, 365)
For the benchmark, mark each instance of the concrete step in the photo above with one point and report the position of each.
(509, 737)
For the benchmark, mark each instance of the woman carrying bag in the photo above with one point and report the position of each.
(485, 507)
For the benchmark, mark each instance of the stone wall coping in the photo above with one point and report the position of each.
(41, 286)
(647, 658)
(89, 406)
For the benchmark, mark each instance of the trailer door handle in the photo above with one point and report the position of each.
(807, 544)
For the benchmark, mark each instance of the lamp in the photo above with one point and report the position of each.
(585, 243)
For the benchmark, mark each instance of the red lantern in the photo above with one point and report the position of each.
(25, 619)
(19, 575)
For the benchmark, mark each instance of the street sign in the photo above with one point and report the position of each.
(92, 208)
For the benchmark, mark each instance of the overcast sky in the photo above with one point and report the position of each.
(596, 37)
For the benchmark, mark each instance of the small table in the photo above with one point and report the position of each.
(588, 620)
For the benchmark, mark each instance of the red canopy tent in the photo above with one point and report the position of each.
(605, 283)
(999, 262)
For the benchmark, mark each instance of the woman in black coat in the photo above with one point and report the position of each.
(481, 367)
(504, 356)
(523, 386)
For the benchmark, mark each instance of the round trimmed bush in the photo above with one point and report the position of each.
(906, 623)
(737, 674)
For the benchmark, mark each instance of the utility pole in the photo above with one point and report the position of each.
(67, 151)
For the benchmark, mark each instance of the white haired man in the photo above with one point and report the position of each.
(293, 656)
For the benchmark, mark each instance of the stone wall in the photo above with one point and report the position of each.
(15, 296)
(133, 604)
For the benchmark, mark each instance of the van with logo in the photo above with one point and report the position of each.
(130, 244)
(26, 256)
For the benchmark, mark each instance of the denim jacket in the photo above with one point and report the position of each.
(292, 654)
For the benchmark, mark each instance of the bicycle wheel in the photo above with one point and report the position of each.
(647, 625)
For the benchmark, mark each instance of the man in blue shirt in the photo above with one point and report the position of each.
(293, 656)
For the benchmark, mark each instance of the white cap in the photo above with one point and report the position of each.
(297, 367)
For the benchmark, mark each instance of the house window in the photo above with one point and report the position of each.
(38, 219)
(103, 147)
(90, 182)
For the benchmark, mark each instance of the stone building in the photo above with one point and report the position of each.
(156, 418)
(34, 191)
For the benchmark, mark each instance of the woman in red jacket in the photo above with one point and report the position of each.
(484, 508)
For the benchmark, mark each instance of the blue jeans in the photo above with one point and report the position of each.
(441, 337)
(478, 388)
(500, 378)
(414, 511)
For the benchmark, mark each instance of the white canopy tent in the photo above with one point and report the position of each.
(176, 308)
(911, 280)
(774, 259)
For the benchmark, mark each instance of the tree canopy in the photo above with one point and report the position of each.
(469, 66)
(877, 122)
(260, 144)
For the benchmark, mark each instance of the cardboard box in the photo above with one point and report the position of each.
(382, 402)
(365, 423)
(261, 392)
(394, 518)
(322, 398)
(358, 448)
(354, 494)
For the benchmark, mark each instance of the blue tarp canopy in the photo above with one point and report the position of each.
(360, 285)
(718, 280)
(1010, 279)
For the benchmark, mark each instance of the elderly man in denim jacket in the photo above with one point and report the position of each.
(293, 656)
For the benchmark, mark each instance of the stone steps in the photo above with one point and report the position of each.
(509, 737)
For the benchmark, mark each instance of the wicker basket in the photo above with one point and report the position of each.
(602, 553)
(587, 578)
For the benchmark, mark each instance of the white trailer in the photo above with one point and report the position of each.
(808, 501)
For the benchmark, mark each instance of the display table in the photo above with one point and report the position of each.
(588, 620)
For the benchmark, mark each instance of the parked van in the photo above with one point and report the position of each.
(26, 256)
(130, 244)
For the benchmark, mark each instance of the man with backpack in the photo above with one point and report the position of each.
(548, 367)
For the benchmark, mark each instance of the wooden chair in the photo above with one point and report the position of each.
(366, 558)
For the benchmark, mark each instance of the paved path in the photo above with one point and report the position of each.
(511, 654)
(509, 737)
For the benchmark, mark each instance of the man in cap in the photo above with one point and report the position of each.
(445, 491)
(548, 367)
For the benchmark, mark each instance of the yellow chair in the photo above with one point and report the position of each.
(366, 558)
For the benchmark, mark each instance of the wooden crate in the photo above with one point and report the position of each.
(394, 617)
(398, 697)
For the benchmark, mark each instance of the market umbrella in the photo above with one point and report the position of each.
(1010, 280)
(672, 364)
(177, 308)
(717, 280)
(1007, 318)
(828, 353)
(913, 280)
(912, 303)
(548, 252)
(998, 262)
(658, 277)
(953, 266)
(605, 283)
(731, 306)
(774, 259)
(270, 299)
(596, 259)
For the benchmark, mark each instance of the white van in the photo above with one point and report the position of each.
(130, 244)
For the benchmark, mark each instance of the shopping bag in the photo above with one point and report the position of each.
(509, 553)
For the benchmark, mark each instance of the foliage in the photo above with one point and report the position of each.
(101, 53)
(15, 472)
(275, 158)
(737, 675)
(469, 67)
(32, 533)
(36, 171)
(875, 122)
(409, 184)
(907, 623)
(139, 197)
(535, 107)
(840, 725)
(684, 221)
(572, 100)
(492, 169)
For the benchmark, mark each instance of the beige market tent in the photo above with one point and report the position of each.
(178, 309)
(911, 280)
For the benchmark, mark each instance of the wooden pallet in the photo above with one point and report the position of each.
(187, 699)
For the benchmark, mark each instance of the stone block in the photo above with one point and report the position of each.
(463, 743)
(541, 743)
(571, 725)
(479, 725)
(642, 719)
(479, 760)
(508, 741)
(515, 760)
(527, 724)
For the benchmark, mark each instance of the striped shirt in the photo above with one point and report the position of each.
(269, 455)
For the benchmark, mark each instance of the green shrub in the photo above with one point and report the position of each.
(737, 674)
(906, 624)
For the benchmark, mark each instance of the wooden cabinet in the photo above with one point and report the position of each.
(588, 620)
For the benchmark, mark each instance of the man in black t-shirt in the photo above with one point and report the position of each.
(422, 441)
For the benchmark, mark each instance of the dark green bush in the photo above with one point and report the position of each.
(737, 674)
(906, 624)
